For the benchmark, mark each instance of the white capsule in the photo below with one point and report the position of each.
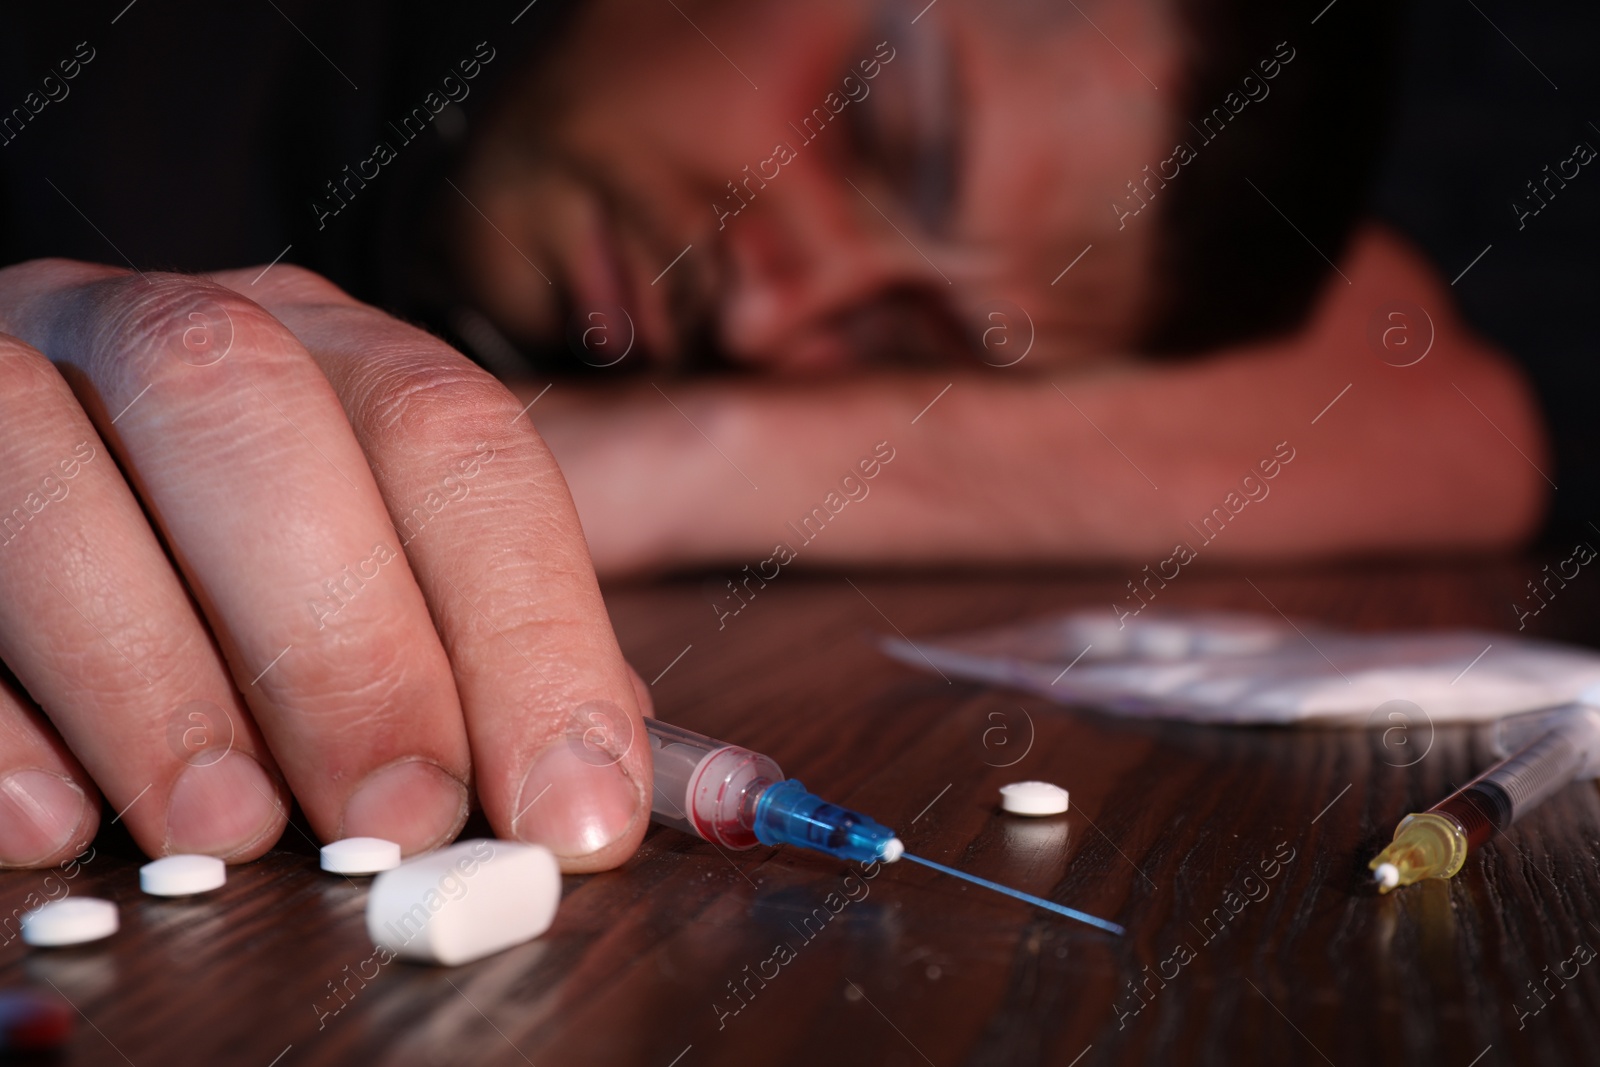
(181, 876)
(464, 902)
(1033, 798)
(72, 921)
(360, 855)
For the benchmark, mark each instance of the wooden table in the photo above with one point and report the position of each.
(1235, 857)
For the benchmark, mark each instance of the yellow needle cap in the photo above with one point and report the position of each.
(1425, 845)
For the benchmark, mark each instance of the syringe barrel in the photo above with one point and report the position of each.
(1516, 785)
(705, 787)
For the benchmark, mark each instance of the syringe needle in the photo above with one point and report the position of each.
(1040, 902)
(735, 797)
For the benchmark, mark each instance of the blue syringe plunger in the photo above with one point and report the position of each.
(789, 815)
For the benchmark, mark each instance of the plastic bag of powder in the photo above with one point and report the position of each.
(1231, 668)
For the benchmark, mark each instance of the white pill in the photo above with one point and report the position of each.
(464, 902)
(72, 921)
(179, 876)
(360, 855)
(1033, 798)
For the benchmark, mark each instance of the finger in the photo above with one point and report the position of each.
(244, 458)
(96, 626)
(641, 694)
(49, 809)
(490, 530)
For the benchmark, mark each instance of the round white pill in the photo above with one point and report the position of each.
(1033, 798)
(72, 921)
(360, 855)
(179, 876)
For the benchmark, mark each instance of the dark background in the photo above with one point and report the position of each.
(1474, 121)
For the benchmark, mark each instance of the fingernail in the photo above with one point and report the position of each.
(220, 808)
(412, 802)
(39, 813)
(573, 803)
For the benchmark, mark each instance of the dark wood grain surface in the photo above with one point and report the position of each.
(1171, 828)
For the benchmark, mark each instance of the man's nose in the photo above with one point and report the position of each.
(807, 255)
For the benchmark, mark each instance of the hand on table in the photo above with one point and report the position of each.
(259, 539)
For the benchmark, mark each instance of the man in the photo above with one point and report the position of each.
(269, 540)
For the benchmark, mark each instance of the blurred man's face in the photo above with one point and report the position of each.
(852, 187)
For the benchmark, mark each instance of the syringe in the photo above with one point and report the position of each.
(737, 798)
(1435, 843)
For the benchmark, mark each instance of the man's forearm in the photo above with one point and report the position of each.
(1305, 446)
